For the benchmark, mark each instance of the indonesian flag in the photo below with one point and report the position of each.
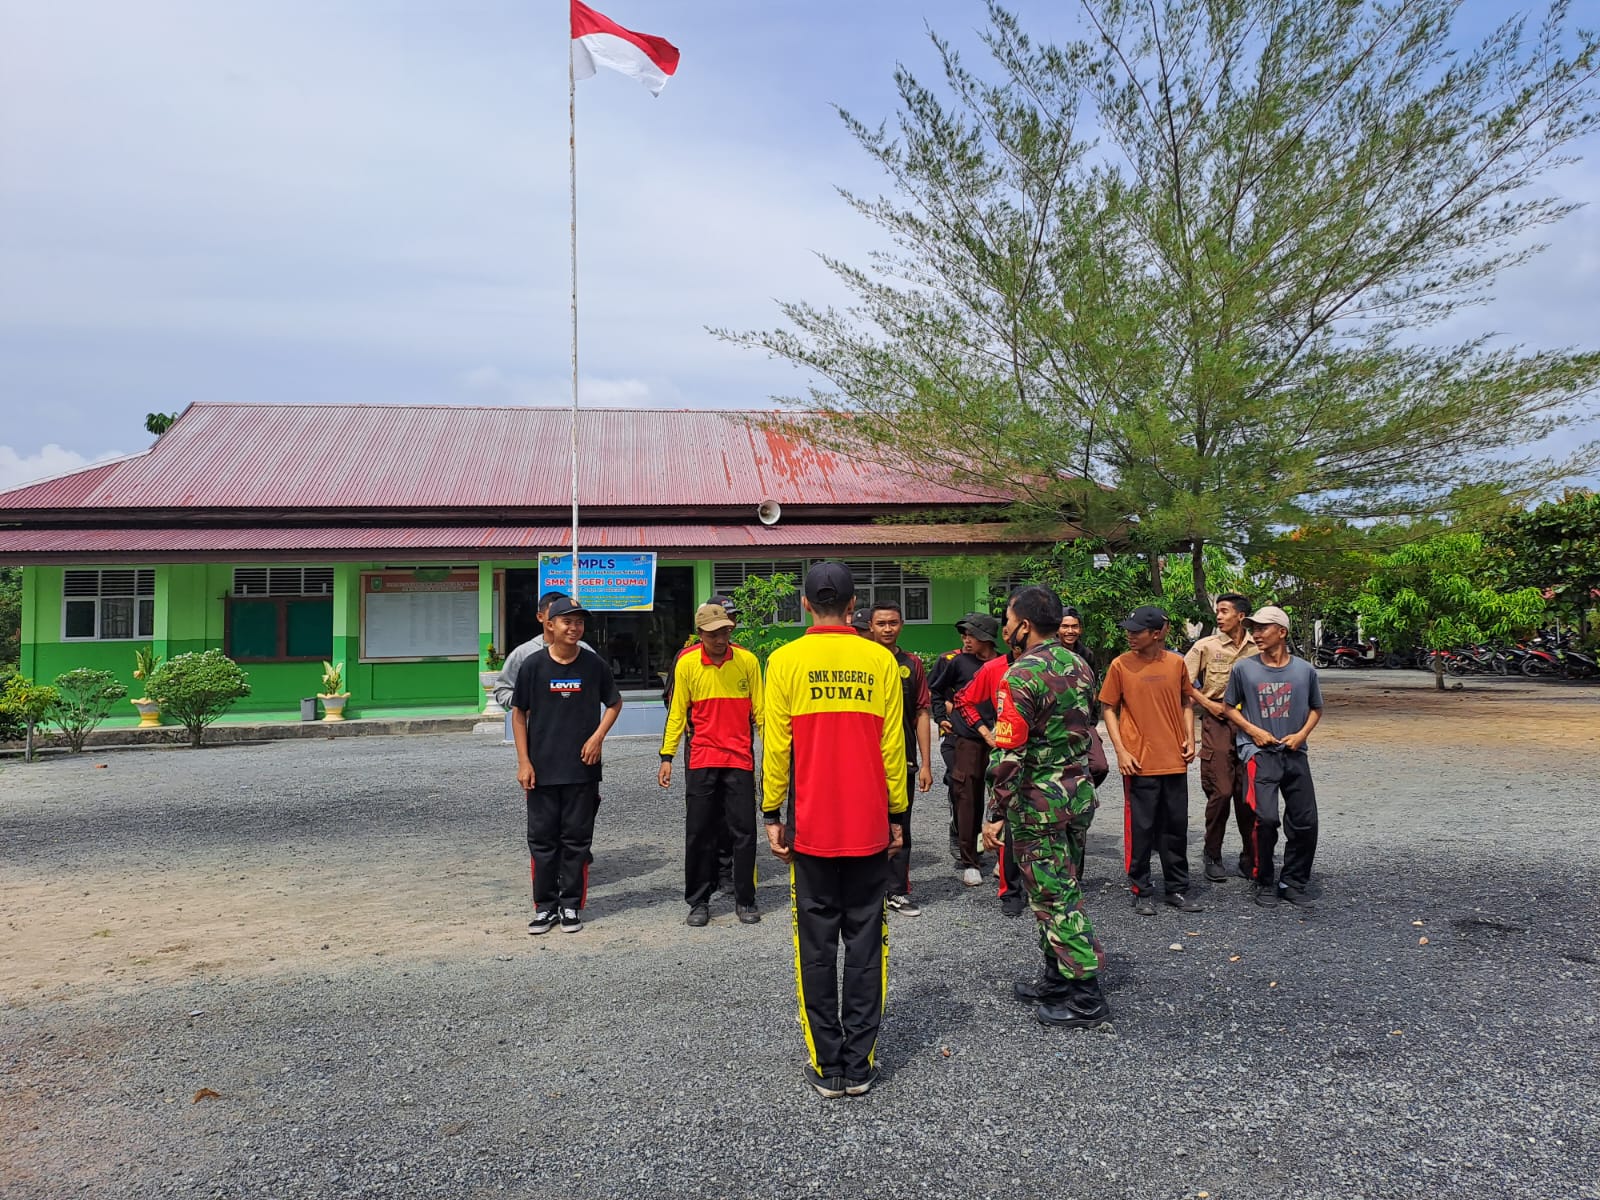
(599, 41)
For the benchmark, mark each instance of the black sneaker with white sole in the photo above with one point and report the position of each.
(829, 1087)
(571, 922)
(1267, 895)
(860, 1087)
(543, 921)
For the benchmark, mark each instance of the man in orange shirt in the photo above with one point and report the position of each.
(1149, 714)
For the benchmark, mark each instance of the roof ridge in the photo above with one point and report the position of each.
(599, 408)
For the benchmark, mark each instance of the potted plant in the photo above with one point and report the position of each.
(494, 660)
(145, 662)
(332, 696)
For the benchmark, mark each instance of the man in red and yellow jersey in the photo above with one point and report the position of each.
(716, 695)
(834, 725)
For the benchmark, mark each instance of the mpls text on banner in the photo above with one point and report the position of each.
(606, 582)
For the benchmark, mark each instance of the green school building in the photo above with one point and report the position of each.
(405, 542)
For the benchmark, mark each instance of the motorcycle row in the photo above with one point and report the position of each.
(1546, 655)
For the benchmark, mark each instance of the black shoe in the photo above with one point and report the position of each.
(1267, 895)
(1182, 903)
(1013, 904)
(1214, 870)
(829, 1087)
(749, 914)
(1143, 906)
(571, 922)
(698, 915)
(1081, 1007)
(860, 1087)
(1295, 897)
(544, 921)
(1247, 868)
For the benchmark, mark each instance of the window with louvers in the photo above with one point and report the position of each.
(884, 581)
(725, 576)
(110, 604)
(280, 614)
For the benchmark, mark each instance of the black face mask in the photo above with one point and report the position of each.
(1017, 640)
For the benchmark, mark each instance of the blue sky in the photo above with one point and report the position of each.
(367, 201)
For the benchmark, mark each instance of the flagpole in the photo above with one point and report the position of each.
(572, 160)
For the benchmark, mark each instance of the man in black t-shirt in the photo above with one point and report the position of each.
(564, 704)
(884, 624)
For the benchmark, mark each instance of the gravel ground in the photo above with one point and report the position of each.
(329, 936)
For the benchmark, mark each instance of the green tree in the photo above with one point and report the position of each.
(159, 422)
(1555, 546)
(757, 601)
(10, 615)
(1182, 269)
(1443, 592)
(26, 703)
(83, 699)
(195, 689)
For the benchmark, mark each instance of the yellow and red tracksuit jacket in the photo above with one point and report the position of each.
(724, 701)
(834, 717)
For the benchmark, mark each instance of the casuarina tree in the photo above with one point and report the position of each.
(1192, 267)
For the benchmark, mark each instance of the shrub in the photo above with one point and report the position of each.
(83, 699)
(26, 703)
(195, 689)
(11, 728)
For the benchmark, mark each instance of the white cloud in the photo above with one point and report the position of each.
(490, 384)
(17, 469)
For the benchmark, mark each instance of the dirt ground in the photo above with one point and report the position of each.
(299, 969)
(308, 899)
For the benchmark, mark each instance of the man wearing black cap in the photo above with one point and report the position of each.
(1149, 714)
(834, 726)
(564, 704)
(507, 679)
(969, 758)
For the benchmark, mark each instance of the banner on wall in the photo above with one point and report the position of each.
(606, 582)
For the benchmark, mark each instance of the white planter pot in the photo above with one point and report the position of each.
(491, 706)
(149, 712)
(333, 706)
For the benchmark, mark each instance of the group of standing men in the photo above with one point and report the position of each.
(846, 723)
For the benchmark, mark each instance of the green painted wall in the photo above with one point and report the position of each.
(190, 615)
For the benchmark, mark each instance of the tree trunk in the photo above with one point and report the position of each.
(1438, 670)
(1155, 572)
(195, 732)
(1197, 566)
(27, 745)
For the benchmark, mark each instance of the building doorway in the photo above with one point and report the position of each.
(640, 647)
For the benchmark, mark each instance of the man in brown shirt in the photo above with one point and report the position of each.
(1149, 714)
(1221, 776)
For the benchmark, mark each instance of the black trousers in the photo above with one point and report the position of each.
(1010, 872)
(834, 900)
(1269, 775)
(900, 860)
(720, 802)
(1222, 780)
(1156, 817)
(560, 832)
(966, 792)
(947, 751)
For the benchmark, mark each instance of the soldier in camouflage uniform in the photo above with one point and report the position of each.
(1042, 789)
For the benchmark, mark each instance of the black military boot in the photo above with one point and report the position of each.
(1042, 985)
(1080, 1005)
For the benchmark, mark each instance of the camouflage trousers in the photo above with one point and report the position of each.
(1049, 850)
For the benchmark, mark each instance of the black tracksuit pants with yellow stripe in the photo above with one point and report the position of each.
(840, 900)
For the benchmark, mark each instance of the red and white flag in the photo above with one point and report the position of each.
(598, 41)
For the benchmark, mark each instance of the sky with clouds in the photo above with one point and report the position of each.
(367, 202)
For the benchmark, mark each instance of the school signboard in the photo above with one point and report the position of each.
(606, 582)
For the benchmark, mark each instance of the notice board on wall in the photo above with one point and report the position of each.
(411, 615)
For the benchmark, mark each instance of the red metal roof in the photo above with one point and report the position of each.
(304, 456)
(475, 541)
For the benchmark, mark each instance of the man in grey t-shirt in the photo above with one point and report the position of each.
(1274, 702)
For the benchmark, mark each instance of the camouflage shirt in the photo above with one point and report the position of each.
(1041, 734)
